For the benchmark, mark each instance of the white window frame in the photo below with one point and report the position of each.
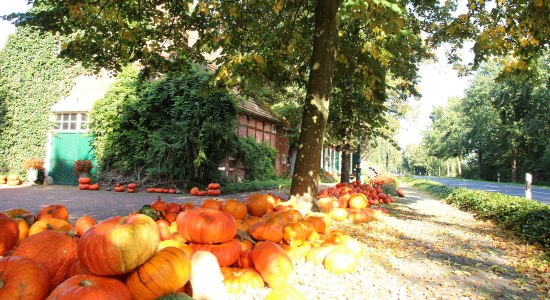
(77, 121)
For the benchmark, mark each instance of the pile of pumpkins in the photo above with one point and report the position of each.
(85, 184)
(11, 180)
(355, 202)
(213, 190)
(149, 255)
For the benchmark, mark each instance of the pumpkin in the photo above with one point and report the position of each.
(344, 200)
(23, 278)
(265, 231)
(358, 201)
(159, 205)
(93, 187)
(237, 280)
(78, 269)
(170, 216)
(251, 220)
(9, 235)
(173, 208)
(13, 177)
(152, 213)
(53, 211)
(159, 190)
(202, 193)
(83, 186)
(202, 225)
(13, 182)
(91, 287)
(245, 259)
(246, 245)
(400, 193)
(363, 216)
(166, 272)
(56, 251)
(119, 188)
(84, 180)
(23, 229)
(211, 203)
(132, 186)
(285, 292)
(50, 224)
(187, 206)
(194, 191)
(150, 190)
(257, 204)
(326, 203)
(317, 255)
(83, 224)
(214, 186)
(340, 260)
(20, 213)
(129, 190)
(318, 223)
(338, 214)
(226, 253)
(213, 192)
(271, 261)
(295, 233)
(119, 245)
(234, 207)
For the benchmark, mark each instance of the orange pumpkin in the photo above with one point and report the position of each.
(202, 193)
(166, 272)
(194, 191)
(236, 208)
(119, 188)
(202, 225)
(132, 186)
(56, 251)
(83, 224)
(102, 250)
(211, 203)
(295, 233)
(214, 186)
(93, 187)
(318, 223)
(83, 186)
(23, 229)
(159, 205)
(129, 190)
(237, 280)
(20, 213)
(84, 180)
(266, 231)
(257, 204)
(326, 203)
(170, 217)
(150, 190)
(9, 235)
(245, 260)
(317, 255)
(272, 263)
(91, 287)
(50, 224)
(23, 278)
(358, 201)
(213, 192)
(338, 214)
(173, 208)
(53, 211)
(226, 253)
(400, 193)
(78, 269)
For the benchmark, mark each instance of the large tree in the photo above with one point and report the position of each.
(281, 39)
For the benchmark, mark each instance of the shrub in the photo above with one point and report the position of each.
(257, 159)
(256, 185)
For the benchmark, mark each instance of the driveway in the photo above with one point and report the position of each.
(98, 204)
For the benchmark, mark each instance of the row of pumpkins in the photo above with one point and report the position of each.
(10, 180)
(163, 250)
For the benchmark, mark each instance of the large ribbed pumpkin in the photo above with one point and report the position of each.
(50, 224)
(23, 278)
(203, 225)
(226, 253)
(166, 272)
(271, 261)
(20, 213)
(90, 287)
(56, 251)
(237, 280)
(119, 245)
(234, 207)
(9, 235)
(257, 204)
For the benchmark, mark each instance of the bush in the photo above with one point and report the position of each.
(528, 218)
(256, 185)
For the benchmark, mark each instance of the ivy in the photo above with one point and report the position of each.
(32, 79)
(177, 128)
(257, 158)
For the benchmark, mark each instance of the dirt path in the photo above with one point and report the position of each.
(439, 252)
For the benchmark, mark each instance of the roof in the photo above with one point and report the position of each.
(250, 107)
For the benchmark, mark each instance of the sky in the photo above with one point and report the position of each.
(438, 82)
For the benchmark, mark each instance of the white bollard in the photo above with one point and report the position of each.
(528, 183)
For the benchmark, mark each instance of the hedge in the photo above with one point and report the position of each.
(529, 219)
(256, 185)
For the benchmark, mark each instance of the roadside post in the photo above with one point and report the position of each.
(498, 177)
(528, 183)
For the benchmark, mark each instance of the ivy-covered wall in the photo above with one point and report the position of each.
(32, 79)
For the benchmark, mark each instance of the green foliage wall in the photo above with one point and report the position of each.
(32, 79)
(178, 128)
(257, 159)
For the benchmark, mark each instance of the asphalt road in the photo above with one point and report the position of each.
(538, 194)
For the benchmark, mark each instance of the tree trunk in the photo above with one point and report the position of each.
(514, 165)
(315, 113)
(459, 165)
(345, 164)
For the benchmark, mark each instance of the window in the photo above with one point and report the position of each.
(273, 128)
(71, 121)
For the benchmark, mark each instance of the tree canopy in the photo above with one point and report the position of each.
(293, 41)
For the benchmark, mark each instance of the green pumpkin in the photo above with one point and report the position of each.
(175, 296)
(150, 212)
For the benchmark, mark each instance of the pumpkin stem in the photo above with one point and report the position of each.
(86, 282)
(2, 282)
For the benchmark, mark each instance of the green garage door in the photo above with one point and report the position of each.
(67, 147)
